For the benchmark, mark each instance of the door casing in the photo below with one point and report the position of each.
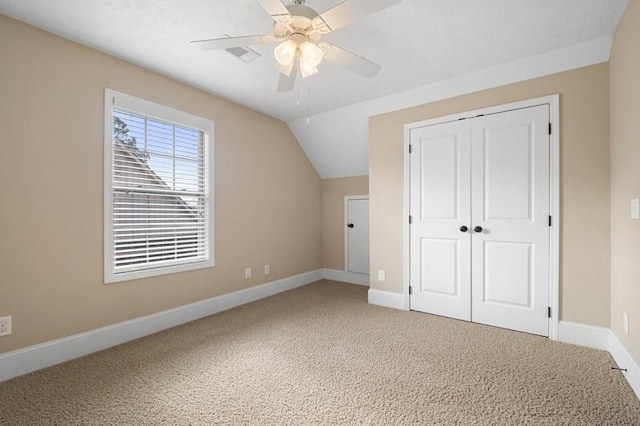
(554, 193)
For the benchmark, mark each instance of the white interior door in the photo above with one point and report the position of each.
(440, 206)
(357, 234)
(510, 202)
(479, 202)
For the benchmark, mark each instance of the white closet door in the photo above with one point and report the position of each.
(440, 206)
(510, 211)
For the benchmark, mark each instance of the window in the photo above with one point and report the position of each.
(158, 201)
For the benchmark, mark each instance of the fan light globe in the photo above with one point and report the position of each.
(306, 69)
(311, 53)
(285, 52)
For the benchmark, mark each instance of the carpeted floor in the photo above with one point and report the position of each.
(321, 355)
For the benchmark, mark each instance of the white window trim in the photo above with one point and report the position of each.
(161, 112)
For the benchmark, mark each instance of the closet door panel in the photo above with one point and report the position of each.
(440, 205)
(510, 208)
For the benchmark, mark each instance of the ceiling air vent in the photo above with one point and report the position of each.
(245, 54)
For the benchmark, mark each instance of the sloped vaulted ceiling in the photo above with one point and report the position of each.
(428, 49)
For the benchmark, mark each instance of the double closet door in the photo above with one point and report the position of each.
(479, 245)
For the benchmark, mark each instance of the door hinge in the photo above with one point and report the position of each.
(410, 148)
(550, 221)
(549, 312)
(549, 128)
(410, 290)
(410, 220)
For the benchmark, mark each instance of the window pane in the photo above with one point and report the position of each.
(159, 201)
(157, 154)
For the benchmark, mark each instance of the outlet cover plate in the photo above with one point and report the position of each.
(5, 326)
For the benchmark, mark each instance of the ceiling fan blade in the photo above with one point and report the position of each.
(276, 9)
(351, 61)
(227, 42)
(350, 10)
(287, 83)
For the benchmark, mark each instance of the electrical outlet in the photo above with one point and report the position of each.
(5, 326)
(266, 269)
(625, 322)
(247, 273)
(381, 275)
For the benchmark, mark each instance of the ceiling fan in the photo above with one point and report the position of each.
(299, 30)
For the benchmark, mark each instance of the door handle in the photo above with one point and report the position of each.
(350, 225)
(478, 229)
(463, 228)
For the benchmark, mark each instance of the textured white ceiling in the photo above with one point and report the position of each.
(418, 42)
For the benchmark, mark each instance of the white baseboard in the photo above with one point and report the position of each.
(387, 299)
(27, 360)
(625, 360)
(583, 335)
(602, 338)
(346, 277)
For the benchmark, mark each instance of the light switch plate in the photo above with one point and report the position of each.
(625, 322)
(635, 208)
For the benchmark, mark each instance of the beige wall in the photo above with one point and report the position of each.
(584, 184)
(267, 194)
(625, 178)
(333, 193)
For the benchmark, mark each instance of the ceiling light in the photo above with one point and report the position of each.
(311, 53)
(306, 68)
(285, 52)
(307, 54)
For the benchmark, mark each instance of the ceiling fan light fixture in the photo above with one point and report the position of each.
(299, 29)
(311, 53)
(306, 68)
(285, 52)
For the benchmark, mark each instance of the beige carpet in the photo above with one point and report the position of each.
(321, 355)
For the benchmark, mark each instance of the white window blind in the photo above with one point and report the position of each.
(159, 198)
